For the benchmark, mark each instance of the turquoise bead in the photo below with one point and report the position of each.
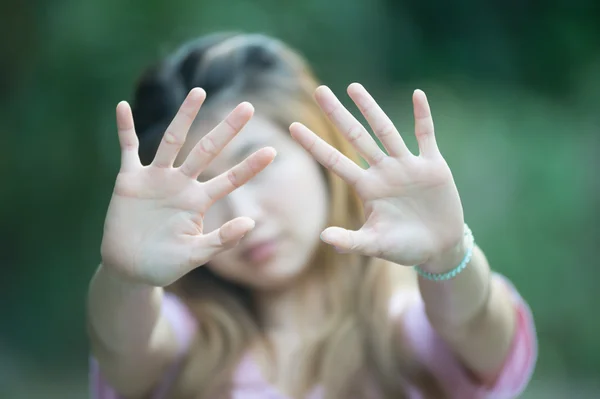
(454, 272)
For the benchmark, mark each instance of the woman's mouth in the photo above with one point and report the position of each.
(260, 252)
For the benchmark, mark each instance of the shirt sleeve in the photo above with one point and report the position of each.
(438, 358)
(184, 326)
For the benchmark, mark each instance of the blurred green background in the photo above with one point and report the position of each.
(515, 92)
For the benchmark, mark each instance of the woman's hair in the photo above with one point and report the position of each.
(359, 347)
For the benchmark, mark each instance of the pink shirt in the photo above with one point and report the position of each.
(431, 350)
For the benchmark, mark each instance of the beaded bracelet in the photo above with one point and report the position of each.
(454, 272)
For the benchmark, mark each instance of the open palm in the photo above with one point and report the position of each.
(154, 225)
(412, 207)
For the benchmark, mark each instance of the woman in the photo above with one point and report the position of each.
(225, 276)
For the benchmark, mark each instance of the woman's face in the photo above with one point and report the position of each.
(288, 201)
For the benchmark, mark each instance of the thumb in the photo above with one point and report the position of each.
(350, 241)
(225, 237)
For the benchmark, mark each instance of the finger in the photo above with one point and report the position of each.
(128, 140)
(424, 125)
(381, 124)
(240, 174)
(325, 154)
(352, 129)
(211, 145)
(350, 241)
(176, 133)
(208, 245)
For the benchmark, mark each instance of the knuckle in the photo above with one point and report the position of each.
(188, 114)
(311, 145)
(207, 146)
(368, 108)
(171, 138)
(233, 178)
(129, 147)
(251, 165)
(185, 170)
(222, 236)
(231, 125)
(331, 112)
(353, 246)
(333, 158)
(388, 129)
(376, 157)
(355, 133)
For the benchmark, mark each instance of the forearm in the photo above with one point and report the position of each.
(128, 335)
(121, 314)
(472, 312)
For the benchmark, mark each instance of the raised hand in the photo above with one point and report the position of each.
(154, 225)
(412, 207)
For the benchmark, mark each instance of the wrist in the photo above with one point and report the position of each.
(116, 278)
(449, 259)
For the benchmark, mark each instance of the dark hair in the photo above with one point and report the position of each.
(164, 86)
